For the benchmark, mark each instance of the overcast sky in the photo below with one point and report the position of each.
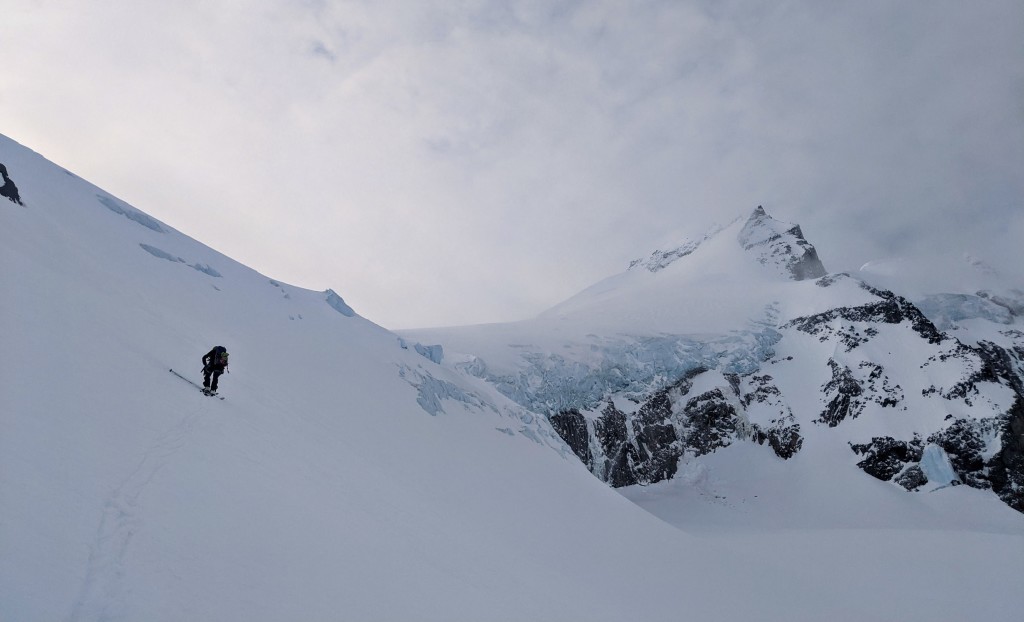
(459, 162)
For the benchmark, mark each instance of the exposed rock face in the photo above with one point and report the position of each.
(886, 457)
(645, 447)
(912, 478)
(846, 392)
(785, 440)
(890, 309)
(781, 245)
(657, 441)
(968, 441)
(985, 453)
(1006, 469)
(849, 392)
(707, 410)
(965, 442)
(572, 427)
(710, 421)
(619, 455)
(782, 432)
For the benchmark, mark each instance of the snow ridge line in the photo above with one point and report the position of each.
(101, 596)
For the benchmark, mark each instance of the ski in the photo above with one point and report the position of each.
(202, 389)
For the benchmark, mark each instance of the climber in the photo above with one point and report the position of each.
(215, 363)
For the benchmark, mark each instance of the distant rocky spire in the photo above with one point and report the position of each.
(782, 245)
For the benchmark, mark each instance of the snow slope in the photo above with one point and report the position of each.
(319, 489)
(346, 477)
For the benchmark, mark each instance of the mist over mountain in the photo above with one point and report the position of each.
(722, 431)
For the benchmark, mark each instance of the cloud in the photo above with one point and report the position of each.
(457, 162)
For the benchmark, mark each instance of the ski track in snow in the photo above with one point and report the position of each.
(102, 592)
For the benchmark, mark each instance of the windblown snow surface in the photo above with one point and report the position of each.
(347, 476)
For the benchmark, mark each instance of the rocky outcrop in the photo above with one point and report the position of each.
(848, 393)
(968, 442)
(620, 456)
(845, 392)
(706, 410)
(645, 447)
(780, 245)
(783, 437)
(965, 442)
(709, 421)
(886, 457)
(888, 309)
(912, 478)
(1006, 468)
(782, 433)
(572, 427)
(988, 362)
(657, 440)
(659, 259)
(985, 453)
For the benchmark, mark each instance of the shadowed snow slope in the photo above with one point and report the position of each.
(344, 477)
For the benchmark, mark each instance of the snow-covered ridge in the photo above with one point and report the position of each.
(659, 259)
(613, 366)
(778, 245)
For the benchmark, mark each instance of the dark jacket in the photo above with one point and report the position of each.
(211, 360)
(8, 189)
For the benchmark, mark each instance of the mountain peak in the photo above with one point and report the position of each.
(781, 245)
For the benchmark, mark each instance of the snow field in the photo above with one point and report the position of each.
(321, 488)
